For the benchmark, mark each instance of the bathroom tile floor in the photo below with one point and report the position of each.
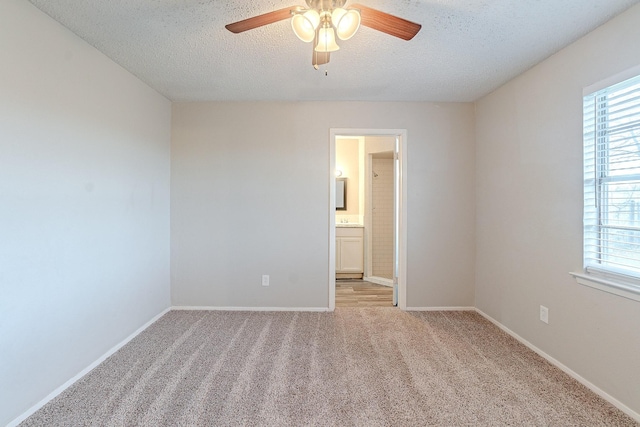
(358, 293)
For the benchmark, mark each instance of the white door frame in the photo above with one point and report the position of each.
(402, 237)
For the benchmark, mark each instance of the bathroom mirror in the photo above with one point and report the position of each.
(341, 194)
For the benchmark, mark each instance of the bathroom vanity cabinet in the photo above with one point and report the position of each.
(349, 252)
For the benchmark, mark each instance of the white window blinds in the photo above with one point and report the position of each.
(612, 179)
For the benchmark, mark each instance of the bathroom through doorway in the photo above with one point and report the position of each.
(368, 231)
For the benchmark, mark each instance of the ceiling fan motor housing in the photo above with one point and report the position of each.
(325, 4)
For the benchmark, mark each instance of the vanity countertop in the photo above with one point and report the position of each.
(348, 225)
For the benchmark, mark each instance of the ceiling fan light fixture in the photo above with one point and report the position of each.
(304, 25)
(322, 20)
(346, 22)
(326, 40)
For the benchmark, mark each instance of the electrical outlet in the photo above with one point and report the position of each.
(265, 280)
(544, 314)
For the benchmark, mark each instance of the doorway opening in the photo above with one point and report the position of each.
(376, 192)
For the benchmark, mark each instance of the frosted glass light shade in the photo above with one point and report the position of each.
(326, 40)
(304, 25)
(346, 22)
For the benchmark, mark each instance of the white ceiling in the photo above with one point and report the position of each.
(466, 48)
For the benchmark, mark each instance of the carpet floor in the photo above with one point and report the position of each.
(353, 367)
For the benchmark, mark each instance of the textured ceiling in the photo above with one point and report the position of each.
(466, 48)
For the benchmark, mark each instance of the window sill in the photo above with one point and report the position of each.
(609, 285)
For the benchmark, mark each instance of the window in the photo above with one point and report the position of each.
(611, 124)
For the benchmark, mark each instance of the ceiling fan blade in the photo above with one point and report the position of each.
(260, 20)
(387, 23)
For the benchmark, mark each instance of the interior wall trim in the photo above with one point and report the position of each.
(214, 308)
(379, 281)
(597, 390)
(440, 309)
(85, 371)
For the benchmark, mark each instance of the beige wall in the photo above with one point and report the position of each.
(529, 213)
(250, 196)
(379, 144)
(84, 190)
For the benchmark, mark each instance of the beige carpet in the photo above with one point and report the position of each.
(357, 366)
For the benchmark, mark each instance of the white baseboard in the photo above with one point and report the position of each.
(85, 371)
(440, 309)
(597, 390)
(210, 308)
(379, 281)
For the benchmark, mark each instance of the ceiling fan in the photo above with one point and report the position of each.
(322, 20)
